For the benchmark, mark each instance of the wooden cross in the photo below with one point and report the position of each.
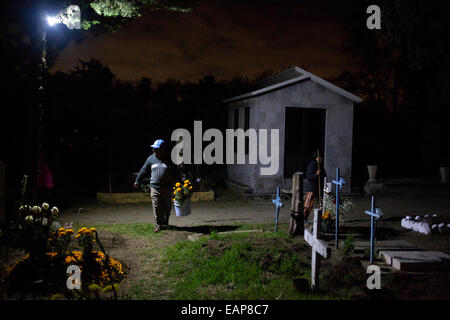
(296, 224)
(374, 214)
(339, 182)
(278, 205)
(319, 247)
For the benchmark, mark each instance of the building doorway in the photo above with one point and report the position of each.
(304, 133)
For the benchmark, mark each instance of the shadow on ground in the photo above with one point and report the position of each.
(205, 229)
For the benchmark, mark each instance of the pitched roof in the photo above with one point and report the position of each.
(289, 77)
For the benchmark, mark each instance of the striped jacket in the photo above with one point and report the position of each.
(162, 172)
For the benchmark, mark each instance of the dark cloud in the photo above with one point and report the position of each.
(220, 38)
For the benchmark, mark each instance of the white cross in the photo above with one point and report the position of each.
(319, 247)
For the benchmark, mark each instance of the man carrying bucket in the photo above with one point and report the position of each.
(163, 175)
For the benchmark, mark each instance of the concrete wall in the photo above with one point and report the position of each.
(268, 112)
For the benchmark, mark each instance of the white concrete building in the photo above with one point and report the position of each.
(310, 113)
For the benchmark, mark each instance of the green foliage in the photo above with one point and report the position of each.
(135, 229)
(240, 270)
(114, 13)
(115, 8)
(348, 245)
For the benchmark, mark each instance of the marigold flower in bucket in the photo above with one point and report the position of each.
(181, 199)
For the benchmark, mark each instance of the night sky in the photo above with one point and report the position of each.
(223, 39)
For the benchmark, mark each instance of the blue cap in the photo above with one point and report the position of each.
(158, 144)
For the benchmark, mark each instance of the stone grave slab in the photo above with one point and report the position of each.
(417, 261)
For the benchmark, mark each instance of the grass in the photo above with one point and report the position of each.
(134, 229)
(241, 270)
(232, 266)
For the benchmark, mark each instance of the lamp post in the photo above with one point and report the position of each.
(71, 17)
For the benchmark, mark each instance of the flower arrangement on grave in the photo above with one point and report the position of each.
(59, 240)
(182, 192)
(32, 227)
(42, 270)
(326, 222)
(329, 210)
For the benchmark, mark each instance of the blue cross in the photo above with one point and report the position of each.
(278, 205)
(374, 214)
(339, 182)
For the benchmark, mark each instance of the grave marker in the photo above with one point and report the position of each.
(374, 214)
(319, 247)
(339, 182)
(296, 225)
(278, 205)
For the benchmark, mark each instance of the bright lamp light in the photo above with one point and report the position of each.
(53, 20)
(69, 16)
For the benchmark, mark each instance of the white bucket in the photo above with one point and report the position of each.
(182, 209)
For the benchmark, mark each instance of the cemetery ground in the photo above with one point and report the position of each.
(227, 249)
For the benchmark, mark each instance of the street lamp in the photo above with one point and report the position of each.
(71, 17)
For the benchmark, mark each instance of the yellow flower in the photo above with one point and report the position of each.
(92, 230)
(57, 296)
(78, 236)
(186, 185)
(94, 287)
(177, 184)
(190, 188)
(109, 288)
(69, 231)
(178, 189)
(82, 230)
(175, 192)
(186, 181)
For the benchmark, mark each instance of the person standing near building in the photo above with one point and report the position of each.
(163, 175)
(314, 172)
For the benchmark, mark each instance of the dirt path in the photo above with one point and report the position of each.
(229, 210)
(143, 259)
